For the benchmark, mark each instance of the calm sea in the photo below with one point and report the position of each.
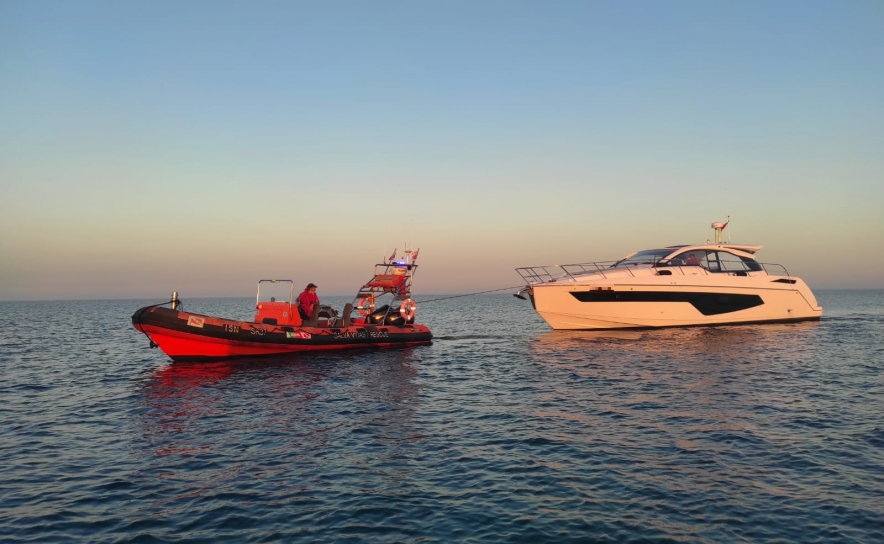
(501, 431)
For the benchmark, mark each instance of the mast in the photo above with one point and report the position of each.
(718, 227)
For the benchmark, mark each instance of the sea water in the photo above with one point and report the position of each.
(502, 430)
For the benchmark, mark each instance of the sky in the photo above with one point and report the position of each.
(151, 147)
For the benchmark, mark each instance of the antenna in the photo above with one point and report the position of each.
(726, 206)
(718, 227)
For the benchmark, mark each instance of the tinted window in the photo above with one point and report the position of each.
(731, 262)
(712, 263)
(751, 264)
(691, 258)
(650, 256)
(735, 263)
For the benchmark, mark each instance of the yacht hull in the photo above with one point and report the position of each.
(632, 305)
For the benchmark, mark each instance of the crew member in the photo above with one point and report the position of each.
(307, 300)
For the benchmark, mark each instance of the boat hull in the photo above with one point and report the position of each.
(632, 305)
(186, 336)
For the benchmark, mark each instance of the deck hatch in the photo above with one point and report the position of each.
(705, 303)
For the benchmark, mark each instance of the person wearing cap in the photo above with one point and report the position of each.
(307, 300)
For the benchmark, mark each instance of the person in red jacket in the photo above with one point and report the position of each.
(307, 300)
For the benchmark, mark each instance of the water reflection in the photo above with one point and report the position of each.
(682, 385)
(379, 438)
(390, 384)
(299, 403)
(278, 427)
(678, 342)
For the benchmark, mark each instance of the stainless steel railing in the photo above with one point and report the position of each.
(571, 272)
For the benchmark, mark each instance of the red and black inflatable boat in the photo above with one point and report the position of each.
(278, 328)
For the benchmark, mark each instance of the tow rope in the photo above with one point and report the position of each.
(468, 294)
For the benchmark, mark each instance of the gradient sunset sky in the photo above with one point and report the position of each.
(147, 147)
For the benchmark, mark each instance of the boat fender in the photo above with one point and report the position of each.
(366, 306)
(407, 309)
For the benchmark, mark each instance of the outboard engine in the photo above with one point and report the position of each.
(327, 312)
(386, 316)
(393, 318)
(377, 316)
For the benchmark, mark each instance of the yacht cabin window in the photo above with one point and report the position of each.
(649, 256)
(691, 258)
(717, 261)
(735, 263)
(751, 264)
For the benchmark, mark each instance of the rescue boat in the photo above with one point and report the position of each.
(381, 315)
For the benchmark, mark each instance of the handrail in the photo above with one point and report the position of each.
(291, 289)
(556, 272)
(571, 272)
(785, 272)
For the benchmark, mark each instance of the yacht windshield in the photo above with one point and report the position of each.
(649, 256)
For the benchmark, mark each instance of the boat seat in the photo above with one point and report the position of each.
(345, 318)
(314, 317)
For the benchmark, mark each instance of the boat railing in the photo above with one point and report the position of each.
(568, 272)
(740, 267)
(775, 269)
(290, 283)
(534, 275)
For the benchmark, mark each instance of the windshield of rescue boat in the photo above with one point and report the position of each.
(648, 256)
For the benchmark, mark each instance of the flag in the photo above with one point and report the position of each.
(414, 257)
(393, 256)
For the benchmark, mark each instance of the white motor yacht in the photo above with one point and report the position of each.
(716, 283)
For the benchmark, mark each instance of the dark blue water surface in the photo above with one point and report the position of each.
(500, 431)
